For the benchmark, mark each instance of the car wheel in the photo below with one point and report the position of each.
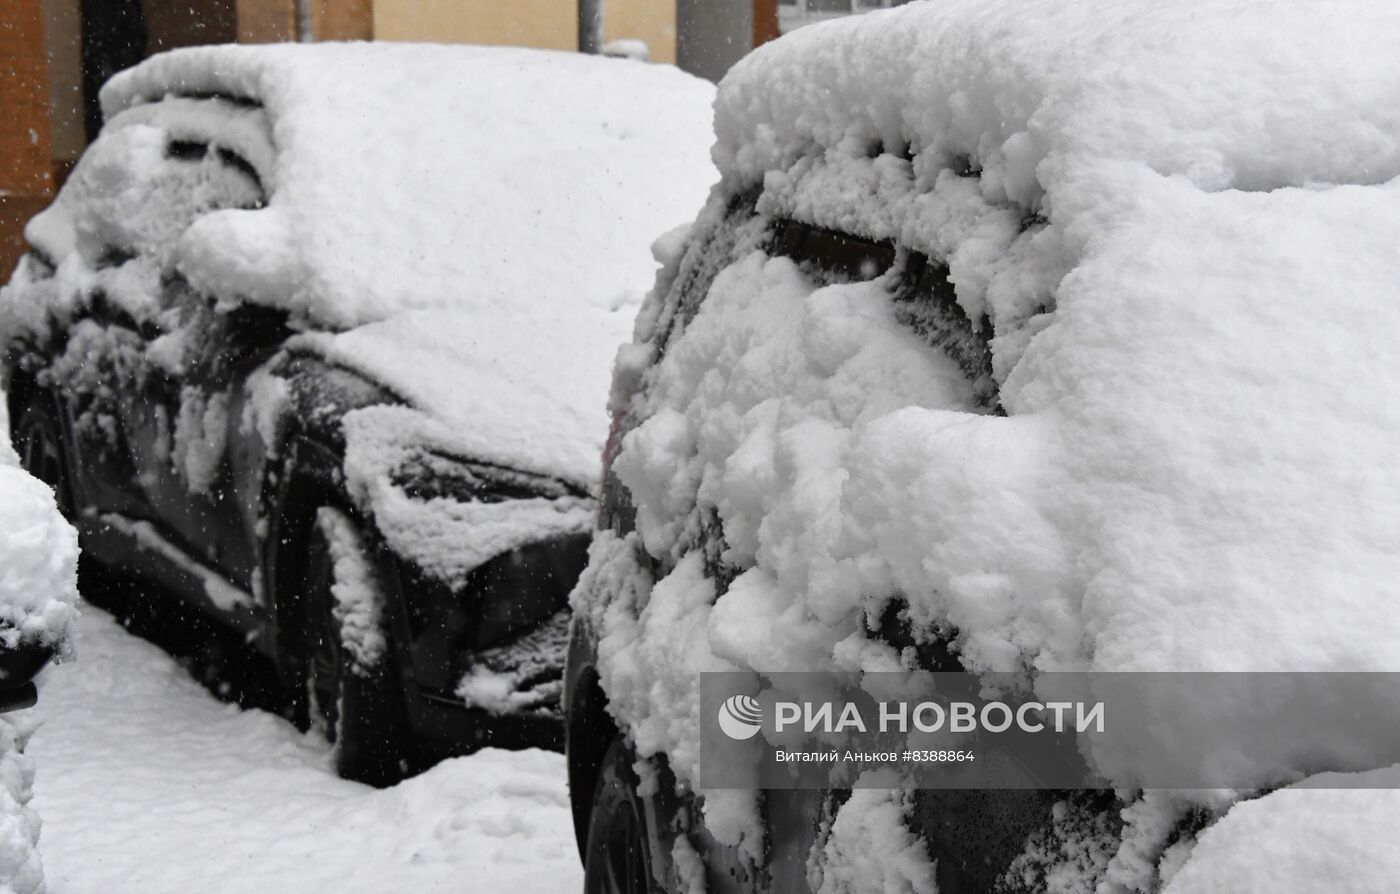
(617, 859)
(360, 711)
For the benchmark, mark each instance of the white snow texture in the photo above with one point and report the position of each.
(1179, 222)
(38, 596)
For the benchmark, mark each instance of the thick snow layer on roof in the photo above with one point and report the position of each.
(1228, 95)
(1180, 223)
(474, 222)
(474, 178)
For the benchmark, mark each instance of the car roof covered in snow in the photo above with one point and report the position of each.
(415, 176)
(1210, 90)
(476, 221)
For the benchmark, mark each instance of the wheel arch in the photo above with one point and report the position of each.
(303, 481)
(589, 731)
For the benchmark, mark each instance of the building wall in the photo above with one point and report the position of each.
(341, 19)
(713, 35)
(184, 23)
(267, 21)
(63, 38)
(550, 24)
(26, 166)
(651, 21)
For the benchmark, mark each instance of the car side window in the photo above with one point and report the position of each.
(927, 303)
(200, 177)
(139, 188)
(209, 342)
(925, 299)
(196, 179)
(834, 255)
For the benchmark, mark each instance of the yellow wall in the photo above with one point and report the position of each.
(650, 21)
(550, 24)
(267, 21)
(26, 162)
(26, 158)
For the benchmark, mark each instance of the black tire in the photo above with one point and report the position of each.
(617, 858)
(360, 711)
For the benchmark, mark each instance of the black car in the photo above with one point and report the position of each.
(997, 353)
(270, 445)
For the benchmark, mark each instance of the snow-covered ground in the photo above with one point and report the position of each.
(148, 784)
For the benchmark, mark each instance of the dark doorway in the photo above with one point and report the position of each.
(114, 38)
(117, 34)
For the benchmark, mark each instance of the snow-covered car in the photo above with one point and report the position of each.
(318, 337)
(1016, 337)
(38, 591)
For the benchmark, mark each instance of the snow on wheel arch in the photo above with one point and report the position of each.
(357, 599)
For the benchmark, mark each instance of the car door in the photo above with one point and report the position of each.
(124, 209)
(174, 412)
(184, 420)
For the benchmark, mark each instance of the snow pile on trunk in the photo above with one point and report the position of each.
(1179, 223)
